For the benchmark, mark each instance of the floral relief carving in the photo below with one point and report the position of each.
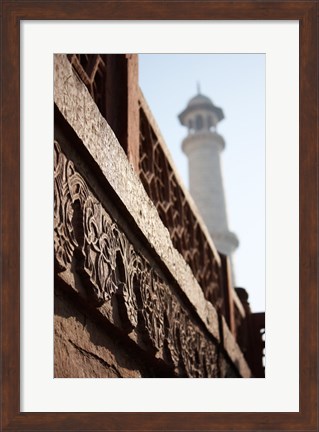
(125, 271)
(97, 249)
(87, 240)
(173, 322)
(153, 310)
(64, 240)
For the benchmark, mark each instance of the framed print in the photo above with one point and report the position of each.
(40, 62)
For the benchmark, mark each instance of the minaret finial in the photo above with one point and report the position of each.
(198, 87)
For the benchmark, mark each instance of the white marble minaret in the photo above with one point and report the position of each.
(203, 146)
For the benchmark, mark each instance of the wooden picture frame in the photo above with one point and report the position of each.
(15, 11)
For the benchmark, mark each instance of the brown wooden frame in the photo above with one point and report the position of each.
(14, 11)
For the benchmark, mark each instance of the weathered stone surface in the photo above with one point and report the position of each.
(82, 348)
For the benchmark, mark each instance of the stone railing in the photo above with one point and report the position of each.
(177, 209)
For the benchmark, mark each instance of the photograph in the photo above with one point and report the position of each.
(159, 216)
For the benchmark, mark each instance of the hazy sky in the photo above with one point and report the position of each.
(235, 83)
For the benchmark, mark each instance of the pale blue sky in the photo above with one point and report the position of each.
(235, 83)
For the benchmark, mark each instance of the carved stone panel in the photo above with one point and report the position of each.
(64, 239)
(88, 241)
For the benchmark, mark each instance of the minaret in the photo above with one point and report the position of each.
(203, 146)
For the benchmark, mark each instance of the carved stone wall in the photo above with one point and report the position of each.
(162, 186)
(90, 243)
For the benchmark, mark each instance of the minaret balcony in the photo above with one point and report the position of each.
(226, 242)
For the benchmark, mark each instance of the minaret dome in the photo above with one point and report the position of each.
(201, 114)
